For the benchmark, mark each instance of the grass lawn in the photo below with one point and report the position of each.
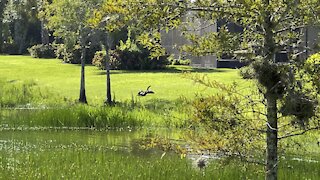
(64, 79)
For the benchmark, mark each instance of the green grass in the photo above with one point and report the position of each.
(53, 87)
(64, 79)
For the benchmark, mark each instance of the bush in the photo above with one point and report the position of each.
(99, 61)
(130, 56)
(138, 60)
(42, 51)
(129, 60)
(73, 55)
(247, 72)
(59, 50)
(312, 68)
(185, 62)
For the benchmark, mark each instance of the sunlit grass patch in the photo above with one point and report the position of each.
(64, 79)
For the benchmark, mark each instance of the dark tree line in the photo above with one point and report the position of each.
(20, 26)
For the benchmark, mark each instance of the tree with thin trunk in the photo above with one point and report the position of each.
(269, 27)
(113, 15)
(108, 44)
(44, 31)
(108, 19)
(3, 4)
(68, 19)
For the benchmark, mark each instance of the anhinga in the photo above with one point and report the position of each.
(144, 93)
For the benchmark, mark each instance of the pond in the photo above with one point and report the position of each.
(90, 154)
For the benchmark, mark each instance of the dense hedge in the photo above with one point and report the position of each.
(73, 55)
(99, 61)
(42, 51)
(130, 60)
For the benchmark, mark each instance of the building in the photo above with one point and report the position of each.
(173, 39)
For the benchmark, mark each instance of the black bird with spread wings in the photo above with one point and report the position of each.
(144, 93)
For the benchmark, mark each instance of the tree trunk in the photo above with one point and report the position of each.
(1, 36)
(20, 35)
(2, 7)
(83, 98)
(272, 138)
(271, 169)
(108, 100)
(44, 34)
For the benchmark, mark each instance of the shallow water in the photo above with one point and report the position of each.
(92, 154)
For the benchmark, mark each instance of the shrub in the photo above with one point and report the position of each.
(185, 62)
(312, 68)
(59, 50)
(73, 55)
(247, 72)
(69, 55)
(100, 61)
(42, 51)
(127, 59)
(138, 60)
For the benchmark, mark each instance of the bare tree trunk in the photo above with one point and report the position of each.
(272, 138)
(2, 7)
(44, 33)
(83, 98)
(20, 35)
(1, 36)
(108, 100)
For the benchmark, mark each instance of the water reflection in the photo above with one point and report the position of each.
(90, 138)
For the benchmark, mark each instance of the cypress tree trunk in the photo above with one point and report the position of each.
(1, 36)
(44, 33)
(83, 98)
(2, 7)
(20, 35)
(108, 100)
(272, 138)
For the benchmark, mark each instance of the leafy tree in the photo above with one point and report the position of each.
(149, 18)
(268, 28)
(144, 21)
(21, 15)
(41, 4)
(3, 4)
(108, 19)
(68, 20)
